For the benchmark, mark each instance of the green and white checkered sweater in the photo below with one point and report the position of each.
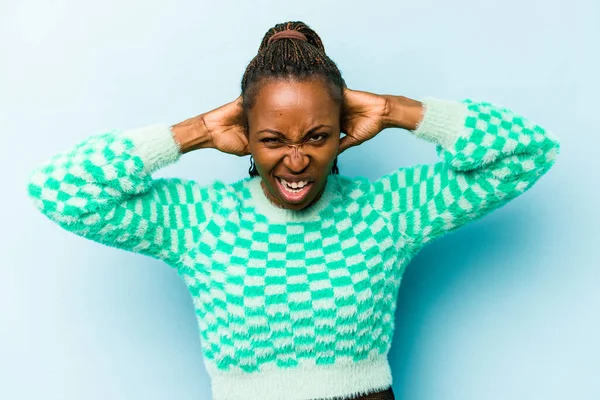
(294, 304)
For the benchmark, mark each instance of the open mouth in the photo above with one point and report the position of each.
(293, 192)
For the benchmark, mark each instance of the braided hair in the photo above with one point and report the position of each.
(291, 58)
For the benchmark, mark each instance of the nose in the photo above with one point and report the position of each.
(295, 160)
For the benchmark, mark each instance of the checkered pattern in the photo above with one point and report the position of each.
(101, 190)
(274, 293)
(280, 293)
(491, 155)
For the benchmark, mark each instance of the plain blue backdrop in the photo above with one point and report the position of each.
(505, 308)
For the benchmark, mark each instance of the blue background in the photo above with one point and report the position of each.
(505, 308)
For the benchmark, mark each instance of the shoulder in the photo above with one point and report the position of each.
(350, 188)
(232, 195)
(188, 191)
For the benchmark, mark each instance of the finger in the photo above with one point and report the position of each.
(242, 150)
(346, 142)
(241, 153)
(345, 100)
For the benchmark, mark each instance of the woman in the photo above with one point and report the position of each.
(294, 271)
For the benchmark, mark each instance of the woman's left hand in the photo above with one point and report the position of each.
(362, 117)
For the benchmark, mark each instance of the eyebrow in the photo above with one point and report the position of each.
(312, 130)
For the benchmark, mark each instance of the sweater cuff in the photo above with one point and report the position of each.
(155, 145)
(443, 121)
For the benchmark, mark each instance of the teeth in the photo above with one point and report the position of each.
(293, 187)
(291, 190)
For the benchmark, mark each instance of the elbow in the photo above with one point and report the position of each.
(37, 190)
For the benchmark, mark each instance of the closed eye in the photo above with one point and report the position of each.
(313, 139)
(270, 140)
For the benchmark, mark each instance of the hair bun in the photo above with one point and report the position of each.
(287, 34)
(300, 59)
(297, 28)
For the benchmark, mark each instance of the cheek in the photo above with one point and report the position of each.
(265, 159)
(329, 152)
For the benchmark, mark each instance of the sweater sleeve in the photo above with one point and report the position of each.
(102, 189)
(489, 155)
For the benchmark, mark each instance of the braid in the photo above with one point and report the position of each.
(291, 58)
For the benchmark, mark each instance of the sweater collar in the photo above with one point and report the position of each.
(277, 214)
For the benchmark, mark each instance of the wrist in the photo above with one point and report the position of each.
(192, 134)
(402, 112)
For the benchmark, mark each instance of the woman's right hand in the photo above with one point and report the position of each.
(226, 126)
(223, 128)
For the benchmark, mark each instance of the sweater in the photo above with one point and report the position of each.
(294, 304)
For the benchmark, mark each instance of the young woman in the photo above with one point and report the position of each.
(294, 272)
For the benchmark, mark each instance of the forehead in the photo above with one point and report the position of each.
(288, 103)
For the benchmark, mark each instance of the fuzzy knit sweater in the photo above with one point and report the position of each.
(294, 304)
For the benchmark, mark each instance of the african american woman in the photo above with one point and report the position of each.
(294, 271)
